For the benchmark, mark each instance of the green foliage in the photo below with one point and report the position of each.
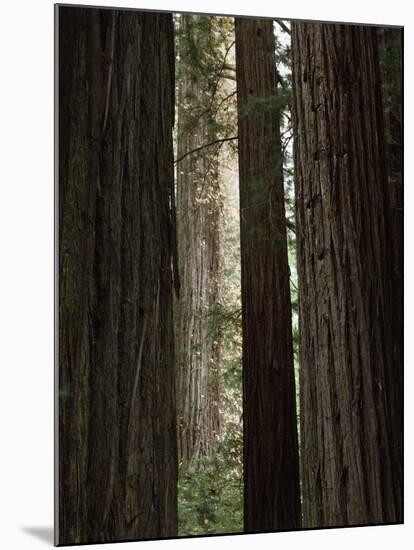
(205, 55)
(211, 497)
(269, 104)
(391, 58)
(391, 74)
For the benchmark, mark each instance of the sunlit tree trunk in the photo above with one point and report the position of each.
(117, 415)
(271, 462)
(198, 229)
(350, 378)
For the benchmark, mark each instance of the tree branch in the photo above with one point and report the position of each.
(220, 72)
(290, 226)
(223, 101)
(283, 26)
(204, 146)
(293, 284)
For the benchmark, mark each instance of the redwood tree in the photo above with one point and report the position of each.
(271, 463)
(350, 378)
(117, 416)
(198, 234)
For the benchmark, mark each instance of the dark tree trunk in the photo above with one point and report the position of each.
(271, 471)
(117, 417)
(198, 217)
(391, 41)
(350, 379)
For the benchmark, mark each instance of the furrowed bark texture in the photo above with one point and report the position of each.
(391, 42)
(117, 416)
(350, 379)
(271, 463)
(198, 234)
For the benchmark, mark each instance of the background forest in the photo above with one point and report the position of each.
(210, 489)
(230, 275)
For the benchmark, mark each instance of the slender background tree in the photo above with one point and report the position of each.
(199, 207)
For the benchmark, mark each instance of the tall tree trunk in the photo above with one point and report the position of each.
(350, 380)
(117, 415)
(198, 218)
(271, 463)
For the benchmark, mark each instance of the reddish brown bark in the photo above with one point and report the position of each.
(117, 426)
(271, 462)
(350, 379)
